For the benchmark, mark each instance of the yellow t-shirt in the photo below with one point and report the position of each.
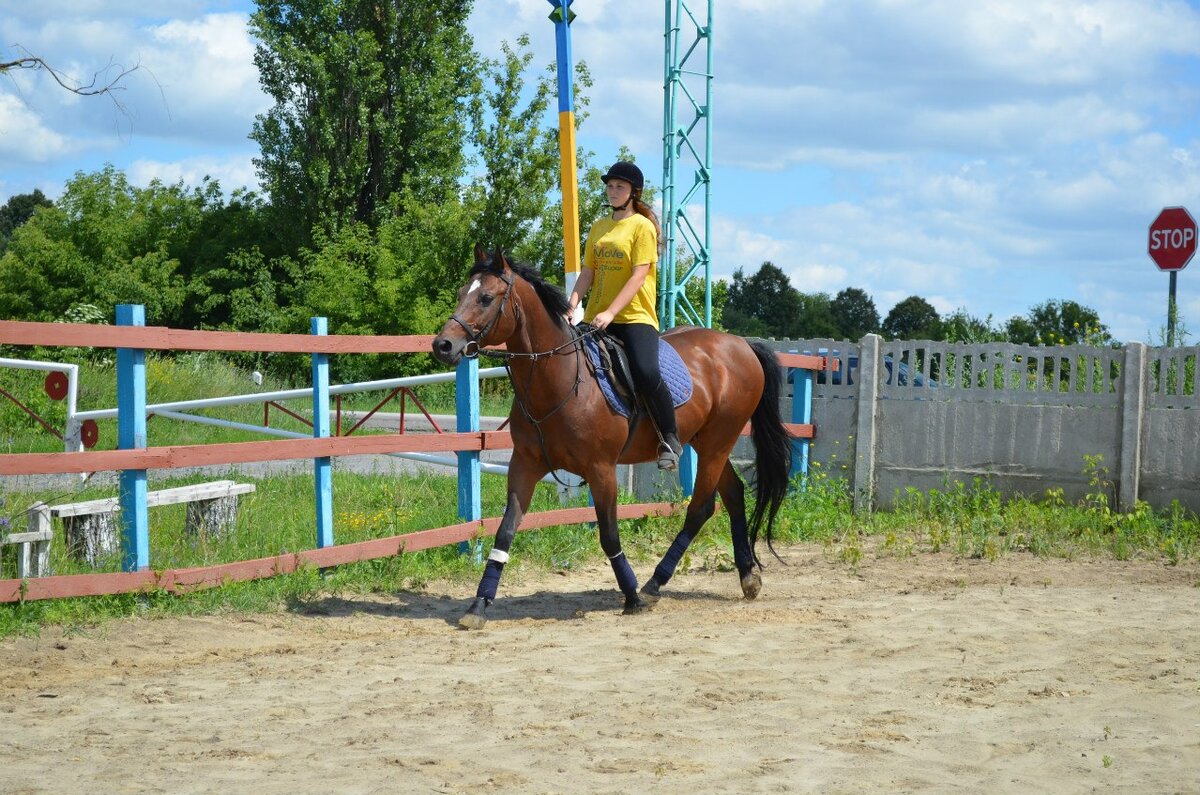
(613, 249)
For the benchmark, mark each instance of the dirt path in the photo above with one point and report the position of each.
(919, 675)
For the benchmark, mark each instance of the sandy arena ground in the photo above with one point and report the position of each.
(926, 674)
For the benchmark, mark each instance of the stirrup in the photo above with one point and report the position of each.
(668, 453)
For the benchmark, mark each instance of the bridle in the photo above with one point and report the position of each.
(472, 350)
(473, 337)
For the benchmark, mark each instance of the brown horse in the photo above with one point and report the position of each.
(561, 420)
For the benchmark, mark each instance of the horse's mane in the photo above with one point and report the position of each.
(551, 295)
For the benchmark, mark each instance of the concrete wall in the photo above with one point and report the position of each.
(918, 414)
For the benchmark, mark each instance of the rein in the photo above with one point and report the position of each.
(575, 344)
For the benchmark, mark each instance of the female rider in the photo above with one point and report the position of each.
(619, 267)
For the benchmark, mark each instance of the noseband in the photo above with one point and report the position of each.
(471, 349)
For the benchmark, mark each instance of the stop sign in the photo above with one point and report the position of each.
(1172, 239)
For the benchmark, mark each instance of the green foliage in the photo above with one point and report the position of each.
(762, 305)
(520, 158)
(1058, 322)
(105, 242)
(854, 313)
(962, 327)
(911, 319)
(17, 210)
(369, 98)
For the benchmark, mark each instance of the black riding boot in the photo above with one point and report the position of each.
(662, 411)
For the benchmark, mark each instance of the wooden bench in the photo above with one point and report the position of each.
(91, 529)
(33, 546)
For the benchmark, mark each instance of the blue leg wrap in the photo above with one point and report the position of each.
(743, 556)
(666, 569)
(491, 580)
(626, 579)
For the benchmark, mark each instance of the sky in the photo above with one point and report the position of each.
(987, 155)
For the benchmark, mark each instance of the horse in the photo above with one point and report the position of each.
(560, 420)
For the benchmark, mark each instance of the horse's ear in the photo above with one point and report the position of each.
(480, 255)
(500, 260)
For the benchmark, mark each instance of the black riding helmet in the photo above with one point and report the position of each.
(623, 169)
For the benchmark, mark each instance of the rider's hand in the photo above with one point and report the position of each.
(602, 320)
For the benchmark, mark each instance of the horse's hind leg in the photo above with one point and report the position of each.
(733, 496)
(701, 508)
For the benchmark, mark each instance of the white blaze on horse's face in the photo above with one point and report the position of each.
(474, 286)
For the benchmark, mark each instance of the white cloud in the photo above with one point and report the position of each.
(24, 136)
(192, 78)
(206, 71)
(232, 172)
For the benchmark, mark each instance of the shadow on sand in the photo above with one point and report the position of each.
(541, 606)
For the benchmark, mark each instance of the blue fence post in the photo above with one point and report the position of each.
(802, 390)
(322, 466)
(687, 470)
(466, 407)
(131, 435)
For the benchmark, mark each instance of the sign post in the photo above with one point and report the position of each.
(1172, 245)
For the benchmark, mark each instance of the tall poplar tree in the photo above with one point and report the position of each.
(371, 97)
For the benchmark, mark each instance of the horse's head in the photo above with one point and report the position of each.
(481, 308)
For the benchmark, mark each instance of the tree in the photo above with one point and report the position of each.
(854, 313)
(17, 210)
(105, 242)
(763, 305)
(962, 327)
(816, 317)
(1058, 322)
(369, 97)
(520, 158)
(911, 319)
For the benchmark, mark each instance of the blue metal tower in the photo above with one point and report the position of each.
(687, 161)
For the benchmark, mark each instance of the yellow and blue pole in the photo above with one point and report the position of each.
(561, 16)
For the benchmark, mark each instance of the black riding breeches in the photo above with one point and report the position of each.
(641, 346)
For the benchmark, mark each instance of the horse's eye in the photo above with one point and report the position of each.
(486, 299)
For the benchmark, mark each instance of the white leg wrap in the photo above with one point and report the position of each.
(498, 555)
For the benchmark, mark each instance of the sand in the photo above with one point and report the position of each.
(922, 674)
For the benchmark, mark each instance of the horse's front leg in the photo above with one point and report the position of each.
(522, 477)
(604, 494)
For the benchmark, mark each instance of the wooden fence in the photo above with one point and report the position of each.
(131, 338)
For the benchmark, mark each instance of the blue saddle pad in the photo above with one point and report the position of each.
(670, 364)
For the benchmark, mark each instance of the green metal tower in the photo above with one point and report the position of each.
(687, 161)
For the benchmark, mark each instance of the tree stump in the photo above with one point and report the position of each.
(92, 537)
(211, 518)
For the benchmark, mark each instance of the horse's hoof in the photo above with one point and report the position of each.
(650, 592)
(751, 585)
(476, 615)
(634, 604)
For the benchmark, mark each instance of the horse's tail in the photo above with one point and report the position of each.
(773, 450)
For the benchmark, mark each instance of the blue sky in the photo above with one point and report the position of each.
(985, 155)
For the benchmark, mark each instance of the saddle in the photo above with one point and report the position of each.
(610, 364)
